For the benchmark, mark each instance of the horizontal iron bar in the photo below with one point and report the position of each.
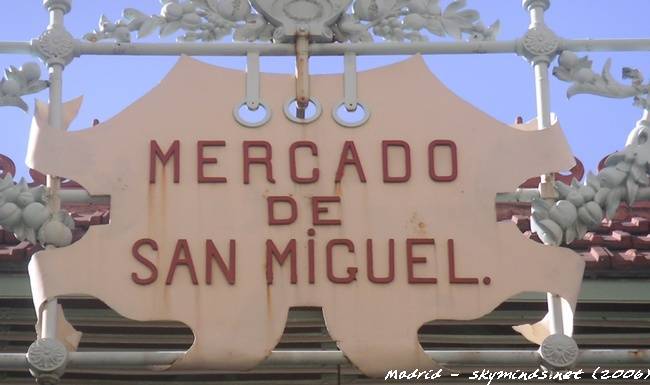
(82, 196)
(122, 359)
(268, 49)
(608, 290)
(264, 49)
(611, 45)
(104, 317)
(432, 337)
(450, 358)
(15, 47)
(9, 361)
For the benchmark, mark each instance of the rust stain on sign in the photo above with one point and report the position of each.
(250, 222)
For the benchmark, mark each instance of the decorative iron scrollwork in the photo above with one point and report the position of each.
(211, 20)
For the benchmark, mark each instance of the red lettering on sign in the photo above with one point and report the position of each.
(212, 254)
(182, 257)
(352, 271)
(412, 260)
(385, 145)
(261, 153)
(182, 249)
(265, 160)
(349, 150)
(315, 173)
(272, 253)
(156, 152)
(201, 161)
(311, 257)
(454, 161)
(311, 261)
(317, 210)
(135, 251)
(371, 265)
(270, 204)
(452, 267)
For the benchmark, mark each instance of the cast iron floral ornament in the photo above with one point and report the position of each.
(625, 177)
(211, 20)
(24, 212)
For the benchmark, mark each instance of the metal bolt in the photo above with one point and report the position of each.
(558, 352)
(47, 359)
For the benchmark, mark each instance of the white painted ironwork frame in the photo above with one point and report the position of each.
(540, 46)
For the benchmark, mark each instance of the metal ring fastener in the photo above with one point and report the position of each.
(306, 120)
(350, 124)
(247, 123)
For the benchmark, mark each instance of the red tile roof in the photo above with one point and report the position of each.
(619, 247)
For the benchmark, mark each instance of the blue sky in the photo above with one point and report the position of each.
(501, 85)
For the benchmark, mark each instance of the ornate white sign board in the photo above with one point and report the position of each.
(223, 227)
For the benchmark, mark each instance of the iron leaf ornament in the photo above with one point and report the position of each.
(365, 20)
(579, 72)
(400, 20)
(200, 20)
(18, 82)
